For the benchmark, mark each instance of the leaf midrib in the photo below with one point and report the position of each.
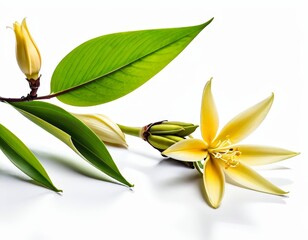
(125, 65)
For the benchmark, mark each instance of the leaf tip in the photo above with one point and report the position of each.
(53, 188)
(207, 23)
(58, 191)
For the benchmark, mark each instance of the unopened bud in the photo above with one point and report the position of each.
(166, 129)
(163, 142)
(162, 135)
(27, 53)
(186, 128)
(108, 131)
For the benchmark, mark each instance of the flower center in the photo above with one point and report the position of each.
(228, 155)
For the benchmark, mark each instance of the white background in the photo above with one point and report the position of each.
(252, 48)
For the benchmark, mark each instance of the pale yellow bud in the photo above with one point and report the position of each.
(27, 53)
(104, 128)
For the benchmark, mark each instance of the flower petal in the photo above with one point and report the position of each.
(209, 118)
(189, 150)
(21, 54)
(261, 155)
(214, 183)
(245, 123)
(247, 177)
(33, 52)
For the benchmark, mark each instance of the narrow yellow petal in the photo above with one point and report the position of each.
(214, 183)
(261, 155)
(33, 53)
(25, 27)
(209, 118)
(245, 123)
(21, 54)
(248, 178)
(189, 150)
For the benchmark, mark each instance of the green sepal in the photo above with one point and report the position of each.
(165, 129)
(160, 142)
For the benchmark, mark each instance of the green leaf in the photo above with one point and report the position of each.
(23, 158)
(111, 66)
(74, 133)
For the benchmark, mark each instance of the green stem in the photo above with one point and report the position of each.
(133, 131)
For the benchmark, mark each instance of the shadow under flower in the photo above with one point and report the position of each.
(234, 210)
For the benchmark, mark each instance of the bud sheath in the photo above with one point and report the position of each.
(104, 128)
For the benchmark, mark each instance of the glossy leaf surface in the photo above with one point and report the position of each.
(74, 133)
(108, 67)
(23, 158)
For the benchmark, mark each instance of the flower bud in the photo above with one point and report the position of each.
(181, 129)
(162, 135)
(163, 142)
(27, 54)
(104, 128)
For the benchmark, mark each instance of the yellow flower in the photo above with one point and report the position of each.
(27, 53)
(104, 128)
(218, 156)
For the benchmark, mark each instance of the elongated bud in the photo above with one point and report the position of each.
(104, 128)
(27, 54)
(163, 142)
(163, 134)
(181, 129)
(166, 129)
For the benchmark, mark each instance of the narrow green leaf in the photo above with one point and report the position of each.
(74, 133)
(108, 67)
(23, 158)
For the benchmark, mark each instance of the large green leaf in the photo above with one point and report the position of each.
(23, 158)
(73, 132)
(111, 66)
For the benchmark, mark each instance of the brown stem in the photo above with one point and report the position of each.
(33, 94)
(34, 86)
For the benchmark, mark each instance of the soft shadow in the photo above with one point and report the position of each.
(23, 179)
(191, 179)
(144, 154)
(234, 209)
(71, 166)
(173, 162)
(16, 177)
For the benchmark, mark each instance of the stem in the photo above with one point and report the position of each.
(133, 131)
(28, 98)
(34, 85)
(32, 98)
